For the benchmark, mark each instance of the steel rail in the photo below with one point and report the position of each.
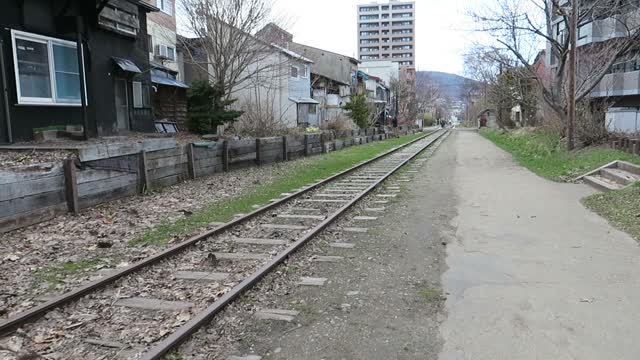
(30, 314)
(185, 331)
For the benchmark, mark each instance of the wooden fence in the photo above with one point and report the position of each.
(31, 194)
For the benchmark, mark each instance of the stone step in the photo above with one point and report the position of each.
(601, 183)
(629, 167)
(619, 176)
(365, 218)
(200, 276)
(242, 256)
(247, 357)
(342, 245)
(355, 229)
(277, 314)
(153, 304)
(303, 217)
(311, 281)
(256, 241)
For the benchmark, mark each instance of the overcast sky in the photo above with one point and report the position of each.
(332, 25)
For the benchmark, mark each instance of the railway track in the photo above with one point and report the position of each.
(149, 308)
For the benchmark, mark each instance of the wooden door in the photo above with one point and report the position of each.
(122, 105)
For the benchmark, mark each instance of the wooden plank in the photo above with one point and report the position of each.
(31, 187)
(258, 159)
(144, 183)
(21, 220)
(310, 281)
(191, 162)
(175, 151)
(97, 198)
(255, 241)
(30, 203)
(179, 169)
(103, 151)
(225, 155)
(242, 256)
(241, 158)
(167, 181)
(20, 174)
(109, 184)
(306, 145)
(277, 315)
(285, 149)
(167, 161)
(283, 227)
(71, 186)
(90, 175)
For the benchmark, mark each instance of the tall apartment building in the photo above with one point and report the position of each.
(386, 32)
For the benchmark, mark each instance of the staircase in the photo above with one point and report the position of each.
(614, 176)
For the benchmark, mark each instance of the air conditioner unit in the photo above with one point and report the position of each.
(165, 52)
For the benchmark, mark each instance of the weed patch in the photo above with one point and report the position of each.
(621, 208)
(544, 154)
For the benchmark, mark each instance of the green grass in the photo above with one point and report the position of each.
(428, 292)
(544, 154)
(55, 274)
(621, 208)
(315, 168)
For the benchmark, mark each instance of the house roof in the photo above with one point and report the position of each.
(292, 54)
(352, 59)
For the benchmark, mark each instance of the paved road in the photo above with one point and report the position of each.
(532, 273)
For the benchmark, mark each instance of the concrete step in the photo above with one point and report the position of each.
(628, 167)
(602, 183)
(619, 176)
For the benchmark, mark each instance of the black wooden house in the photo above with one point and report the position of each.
(46, 83)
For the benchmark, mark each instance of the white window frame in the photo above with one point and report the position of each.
(297, 72)
(162, 5)
(305, 72)
(49, 41)
(138, 102)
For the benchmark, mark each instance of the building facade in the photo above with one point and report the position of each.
(51, 51)
(386, 31)
(619, 91)
(169, 94)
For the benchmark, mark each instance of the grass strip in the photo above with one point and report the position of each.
(621, 208)
(308, 171)
(545, 154)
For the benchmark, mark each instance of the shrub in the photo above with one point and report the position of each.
(207, 108)
(358, 110)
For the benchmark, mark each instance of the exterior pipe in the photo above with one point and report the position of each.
(5, 92)
(83, 88)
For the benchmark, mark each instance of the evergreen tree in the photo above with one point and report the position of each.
(358, 110)
(207, 108)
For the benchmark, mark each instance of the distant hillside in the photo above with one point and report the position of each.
(451, 85)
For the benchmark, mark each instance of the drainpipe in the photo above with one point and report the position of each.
(5, 92)
(83, 89)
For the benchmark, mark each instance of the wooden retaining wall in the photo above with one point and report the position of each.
(630, 145)
(31, 194)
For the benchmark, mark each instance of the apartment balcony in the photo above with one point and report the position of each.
(618, 84)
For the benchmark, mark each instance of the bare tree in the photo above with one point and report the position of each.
(225, 48)
(405, 103)
(520, 27)
(427, 94)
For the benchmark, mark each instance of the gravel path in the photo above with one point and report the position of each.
(98, 237)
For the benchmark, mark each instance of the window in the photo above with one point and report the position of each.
(47, 70)
(312, 109)
(150, 44)
(294, 71)
(166, 6)
(137, 94)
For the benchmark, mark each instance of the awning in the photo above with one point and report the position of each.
(127, 65)
(304, 101)
(169, 82)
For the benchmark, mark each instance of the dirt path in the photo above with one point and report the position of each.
(533, 274)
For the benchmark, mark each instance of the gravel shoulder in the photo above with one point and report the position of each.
(383, 300)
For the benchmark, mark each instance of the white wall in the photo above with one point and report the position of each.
(165, 36)
(623, 120)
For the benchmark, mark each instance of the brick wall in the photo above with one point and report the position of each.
(161, 18)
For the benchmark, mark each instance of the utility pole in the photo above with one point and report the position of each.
(573, 62)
